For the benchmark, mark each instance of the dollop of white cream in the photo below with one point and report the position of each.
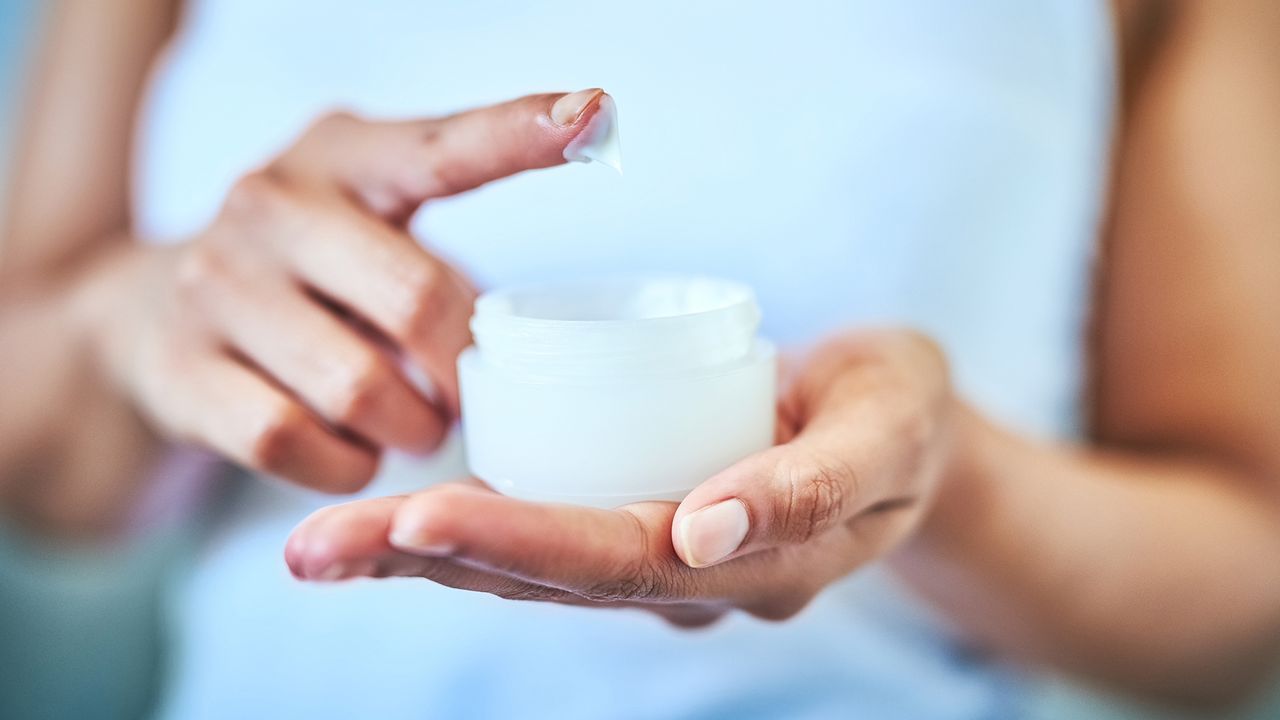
(598, 142)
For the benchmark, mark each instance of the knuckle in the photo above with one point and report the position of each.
(361, 392)
(430, 133)
(433, 514)
(275, 443)
(414, 182)
(255, 196)
(423, 296)
(641, 578)
(641, 582)
(333, 122)
(201, 267)
(421, 178)
(815, 496)
(926, 345)
(351, 479)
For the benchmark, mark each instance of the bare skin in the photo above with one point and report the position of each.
(213, 341)
(1144, 560)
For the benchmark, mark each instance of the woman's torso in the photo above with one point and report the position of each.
(934, 164)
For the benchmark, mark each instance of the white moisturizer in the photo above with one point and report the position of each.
(615, 391)
(599, 140)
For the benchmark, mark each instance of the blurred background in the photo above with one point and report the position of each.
(79, 626)
(81, 630)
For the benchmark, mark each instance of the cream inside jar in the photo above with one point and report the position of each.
(613, 391)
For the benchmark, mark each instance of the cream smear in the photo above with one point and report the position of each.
(598, 142)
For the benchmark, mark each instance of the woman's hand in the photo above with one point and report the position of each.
(865, 425)
(280, 336)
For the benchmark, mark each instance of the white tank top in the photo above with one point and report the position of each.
(934, 164)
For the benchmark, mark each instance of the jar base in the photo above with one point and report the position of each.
(606, 502)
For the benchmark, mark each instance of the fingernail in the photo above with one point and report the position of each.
(569, 108)
(598, 141)
(714, 532)
(410, 540)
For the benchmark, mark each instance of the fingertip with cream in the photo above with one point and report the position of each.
(599, 140)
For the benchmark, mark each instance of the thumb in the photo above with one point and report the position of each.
(393, 167)
(784, 495)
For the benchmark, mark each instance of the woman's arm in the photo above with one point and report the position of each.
(67, 445)
(70, 191)
(1153, 561)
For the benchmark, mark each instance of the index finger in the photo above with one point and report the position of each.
(603, 555)
(396, 166)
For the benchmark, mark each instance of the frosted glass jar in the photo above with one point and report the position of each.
(616, 390)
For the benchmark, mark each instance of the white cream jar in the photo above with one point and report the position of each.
(615, 391)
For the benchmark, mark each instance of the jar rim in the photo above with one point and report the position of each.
(505, 302)
(660, 322)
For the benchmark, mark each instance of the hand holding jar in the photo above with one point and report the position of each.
(865, 427)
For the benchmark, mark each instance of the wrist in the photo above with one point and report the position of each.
(964, 493)
(79, 436)
(104, 304)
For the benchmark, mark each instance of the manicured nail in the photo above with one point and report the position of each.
(598, 141)
(714, 532)
(410, 540)
(569, 108)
